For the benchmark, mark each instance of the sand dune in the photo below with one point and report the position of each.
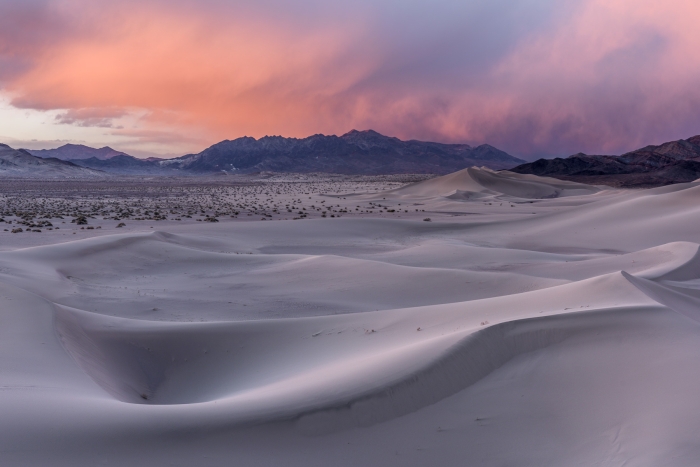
(478, 183)
(565, 337)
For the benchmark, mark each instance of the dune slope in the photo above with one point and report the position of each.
(566, 337)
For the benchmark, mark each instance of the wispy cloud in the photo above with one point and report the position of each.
(91, 117)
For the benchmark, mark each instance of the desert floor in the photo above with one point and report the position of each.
(479, 318)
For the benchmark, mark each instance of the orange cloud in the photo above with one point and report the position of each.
(221, 76)
(596, 75)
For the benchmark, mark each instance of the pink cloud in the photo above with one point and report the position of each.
(91, 117)
(594, 75)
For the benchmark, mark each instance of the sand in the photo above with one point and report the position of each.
(530, 322)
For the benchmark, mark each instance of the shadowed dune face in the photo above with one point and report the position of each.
(472, 335)
(178, 363)
(191, 364)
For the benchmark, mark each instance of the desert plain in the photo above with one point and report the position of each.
(478, 318)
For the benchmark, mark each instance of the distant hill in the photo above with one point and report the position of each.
(124, 164)
(105, 159)
(356, 152)
(69, 152)
(668, 163)
(19, 163)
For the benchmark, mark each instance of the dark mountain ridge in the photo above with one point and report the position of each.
(665, 164)
(356, 152)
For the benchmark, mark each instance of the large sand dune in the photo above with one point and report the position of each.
(566, 337)
(476, 183)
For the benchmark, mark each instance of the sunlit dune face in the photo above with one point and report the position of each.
(597, 76)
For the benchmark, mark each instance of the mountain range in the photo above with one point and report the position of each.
(104, 159)
(20, 163)
(667, 163)
(362, 153)
(77, 152)
(356, 152)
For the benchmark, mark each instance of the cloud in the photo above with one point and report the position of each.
(27, 30)
(91, 117)
(535, 77)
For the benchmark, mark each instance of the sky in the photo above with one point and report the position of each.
(536, 78)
